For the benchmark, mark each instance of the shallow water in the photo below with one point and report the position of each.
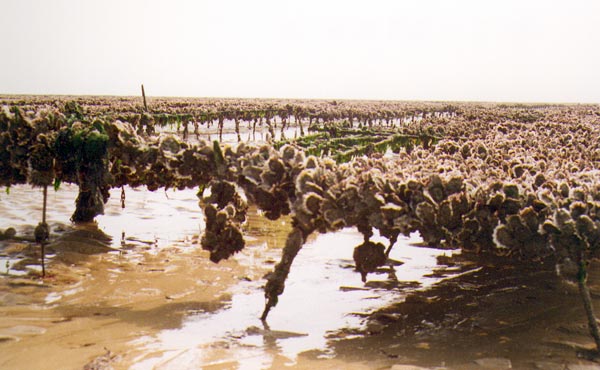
(312, 307)
(156, 258)
(259, 135)
(135, 291)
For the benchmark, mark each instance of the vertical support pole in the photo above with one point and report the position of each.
(221, 124)
(44, 228)
(144, 97)
(237, 128)
(44, 206)
(587, 302)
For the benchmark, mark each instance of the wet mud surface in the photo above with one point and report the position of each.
(135, 291)
(522, 316)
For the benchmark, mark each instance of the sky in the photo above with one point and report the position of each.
(463, 50)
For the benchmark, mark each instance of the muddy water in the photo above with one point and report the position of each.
(135, 291)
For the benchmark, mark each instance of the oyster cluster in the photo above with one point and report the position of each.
(27, 146)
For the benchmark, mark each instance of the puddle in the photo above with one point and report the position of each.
(57, 296)
(7, 266)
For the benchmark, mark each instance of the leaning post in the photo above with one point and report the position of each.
(144, 97)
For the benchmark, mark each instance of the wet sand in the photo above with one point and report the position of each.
(135, 291)
(524, 316)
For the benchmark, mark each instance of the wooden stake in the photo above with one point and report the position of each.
(144, 96)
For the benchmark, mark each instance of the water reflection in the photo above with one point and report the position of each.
(258, 136)
(312, 309)
(153, 219)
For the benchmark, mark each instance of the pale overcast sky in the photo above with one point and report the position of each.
(510, 50)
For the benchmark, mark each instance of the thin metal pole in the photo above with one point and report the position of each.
(44, 207)
(43, 243)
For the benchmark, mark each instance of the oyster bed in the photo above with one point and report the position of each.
(518, 182)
